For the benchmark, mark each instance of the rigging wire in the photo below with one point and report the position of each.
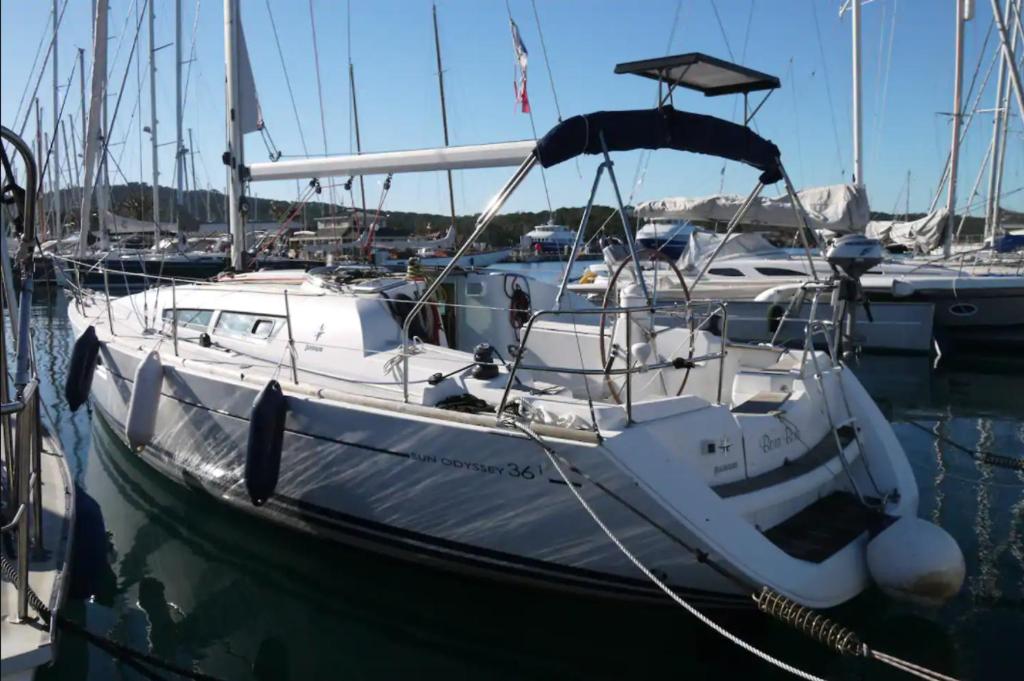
(884, 77)
(35, 62)
(533, 129)
(287, 80)
(970, 116)
(42, 70)
(319, 91)
(828, 87)
(53, 137)
(645, 155)
(721, 29)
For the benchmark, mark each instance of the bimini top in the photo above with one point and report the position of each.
(663, 128)
(702, 73)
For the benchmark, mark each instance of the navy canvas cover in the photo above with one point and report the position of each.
(664, 128)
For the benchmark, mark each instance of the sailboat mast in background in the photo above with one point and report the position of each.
(444, 110)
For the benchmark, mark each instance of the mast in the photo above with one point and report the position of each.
(359, 145)
(999, 153)
(179, 155)
(858, 157)
(954, 156)
(1011, 66)
(93, 132)
(155, 160)
(195, 187)
(81, 88)
(234, 156)
(991, 204)
(41, 201)
(55, 181)
(444, 110)
(103, 195)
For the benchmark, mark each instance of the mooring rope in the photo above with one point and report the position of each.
(1014, 463)
(840, 639)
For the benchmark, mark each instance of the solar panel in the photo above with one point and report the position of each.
(703, 73)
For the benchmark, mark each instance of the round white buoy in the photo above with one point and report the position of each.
(916, 560)
(140, 424)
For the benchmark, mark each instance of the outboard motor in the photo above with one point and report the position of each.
(851, 257)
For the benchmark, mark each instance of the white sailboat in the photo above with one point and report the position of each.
(372, 411)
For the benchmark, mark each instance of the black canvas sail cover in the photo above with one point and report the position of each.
(663, 128)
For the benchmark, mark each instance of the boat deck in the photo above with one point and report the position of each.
(30, 645)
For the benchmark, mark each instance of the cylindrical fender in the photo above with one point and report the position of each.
(81, 369)
(140, 424)
(266, 438)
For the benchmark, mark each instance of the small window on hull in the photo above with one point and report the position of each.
(192, 319)
(725, 272)
(243, 324)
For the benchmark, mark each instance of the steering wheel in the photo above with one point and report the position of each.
(611, 300)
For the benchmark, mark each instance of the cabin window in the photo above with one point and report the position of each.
(248, 325)
(779, 272)
(726, 272)
(193, 319)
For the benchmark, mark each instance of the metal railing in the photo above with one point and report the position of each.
(714, 310)
(20, 427)
(25, 484)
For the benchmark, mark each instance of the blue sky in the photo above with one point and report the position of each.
(392, 49)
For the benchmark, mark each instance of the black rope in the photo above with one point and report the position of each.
(133, 658)
(1001, 460)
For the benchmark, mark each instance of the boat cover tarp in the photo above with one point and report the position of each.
(117, 224)
(703, 244)
(921, 235)
(840, 208)
(1010, 242)
(664, 128)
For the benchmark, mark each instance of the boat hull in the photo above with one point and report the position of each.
(494, 507)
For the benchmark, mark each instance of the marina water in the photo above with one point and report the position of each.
(172, 572)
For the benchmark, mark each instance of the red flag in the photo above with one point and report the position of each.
(521, 61)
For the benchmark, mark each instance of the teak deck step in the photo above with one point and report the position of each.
(826, 526)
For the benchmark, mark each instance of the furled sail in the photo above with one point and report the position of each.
(118, 224)
(841, 208)
(921, 235)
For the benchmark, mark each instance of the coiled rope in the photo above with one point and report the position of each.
(803, 619)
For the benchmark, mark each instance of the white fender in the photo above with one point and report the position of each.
(916, 560)
(140, 424)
